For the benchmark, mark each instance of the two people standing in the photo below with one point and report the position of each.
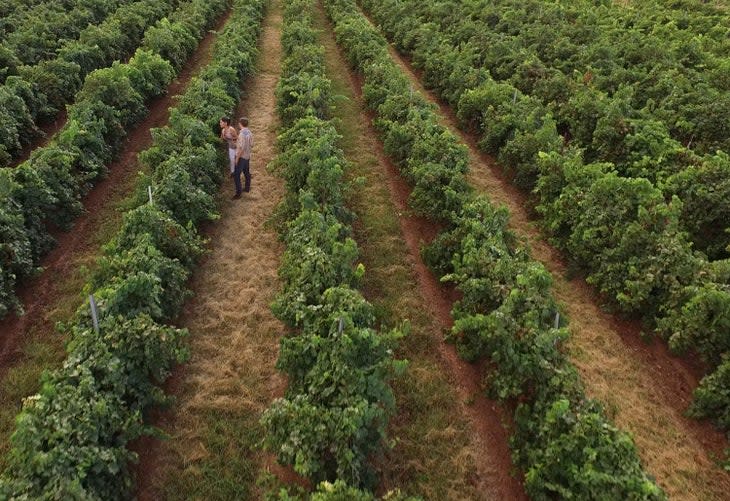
(239, 152)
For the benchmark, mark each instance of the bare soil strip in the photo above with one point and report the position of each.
(30, 344)
(213, 451)
(478, 454)
(79, 246)
(643, 387)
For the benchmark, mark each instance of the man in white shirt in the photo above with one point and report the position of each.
(244, 143)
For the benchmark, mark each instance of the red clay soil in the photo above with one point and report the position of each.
(38, 294)
(675, 377)
(671, 379)
(486, 416)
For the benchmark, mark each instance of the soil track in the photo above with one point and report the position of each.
(493, 465)
(73, 248)
(214, 447)
(643, 387)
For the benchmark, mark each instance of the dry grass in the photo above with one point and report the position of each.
(677, 450)
(214, 449)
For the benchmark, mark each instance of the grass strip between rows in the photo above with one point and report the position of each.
(645, 216)
(563, 440)
(70, 441)
(333, 417)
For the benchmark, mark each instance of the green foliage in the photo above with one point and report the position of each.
(16, 124)
(576, 454)
(55, 178)
(507, 311)
(70, 438)
(303, 89)
(300, 94)
(633, 241)
(87, 57)
(139, 279)
(36, 102)
(55, 196)
(705, 193)
(172, 41)
(561, 186)
(335, 412)
(70, 441)
(702, 324)
(16, 257)
(319, 256)
(181, 194)
(712, 396)
(517, 335)
(57, 79)
(207, 100)
(337, 404)
(150, 72)
(341, 491)
(534, 133)
(113, 87)
(34, 193)
(312, 166)
(8, 62)
(638, 97)
(174, 240)
(651, 152)
(186, 132)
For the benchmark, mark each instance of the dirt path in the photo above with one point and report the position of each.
(213, 451)
(644, 389)
(488, 458)
(77, 248)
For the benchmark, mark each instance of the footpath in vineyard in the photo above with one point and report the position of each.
(643, 388)
(30, 344)
(450, 440)
(230, 379)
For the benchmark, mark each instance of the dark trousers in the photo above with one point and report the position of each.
(237, 178)
(242, 166)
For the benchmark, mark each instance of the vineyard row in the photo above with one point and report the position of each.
(333, 417)
(70, 441)
(45, 192)
(630, 235)
(562, 440)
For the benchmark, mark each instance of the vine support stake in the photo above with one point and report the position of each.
(149, 192)
(94, 313)
(341, 326)
(557, 319)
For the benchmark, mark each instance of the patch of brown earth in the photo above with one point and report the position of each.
(77, 247)
(493, 467)
(643, 387)
(231, 377)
